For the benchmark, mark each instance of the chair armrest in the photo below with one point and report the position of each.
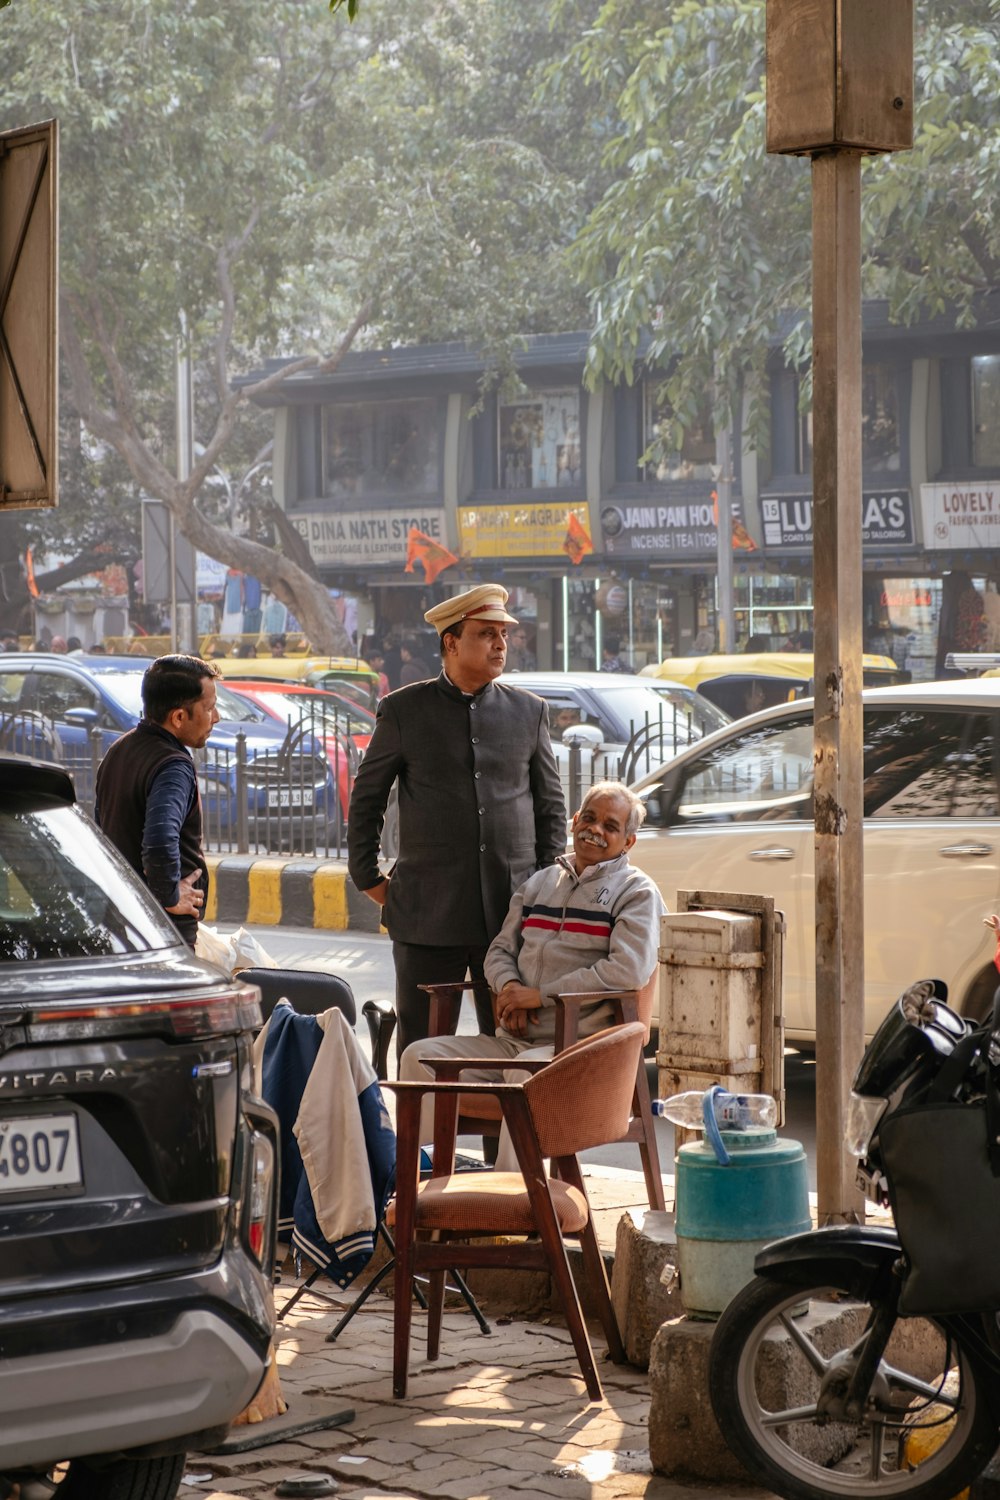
(445, 1000)
(381, 1018)
(385, 1006)
(568, 1006)
(426, 1086)
(445, 1066)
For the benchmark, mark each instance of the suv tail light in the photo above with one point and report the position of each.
(259, 1218)
(185, 1018)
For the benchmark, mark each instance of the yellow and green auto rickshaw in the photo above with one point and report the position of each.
(742, 684)
(348, 675)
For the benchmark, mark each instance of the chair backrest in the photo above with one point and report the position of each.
(308, 991)
(583, 1098)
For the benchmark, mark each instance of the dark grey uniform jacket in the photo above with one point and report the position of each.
(480, 808)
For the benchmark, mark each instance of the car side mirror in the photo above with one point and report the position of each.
(83, 718)
(661, 798)
(586, 736)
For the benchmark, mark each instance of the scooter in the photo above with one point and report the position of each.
(846, 1368)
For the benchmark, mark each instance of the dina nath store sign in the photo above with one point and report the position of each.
(365, 537)
(886, 520)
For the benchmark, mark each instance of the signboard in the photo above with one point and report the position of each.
(532, 530)
(29, 365)
(366, 538)
(961, 517)
(664, 528)
(886, 520)
(163, 545)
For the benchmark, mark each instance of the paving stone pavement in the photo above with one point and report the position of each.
(503, 1417)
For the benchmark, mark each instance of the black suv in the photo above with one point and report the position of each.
(137, 1168)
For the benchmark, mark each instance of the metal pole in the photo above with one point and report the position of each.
(182, 629)
(724, 549)
(836, 235)
(172, 547)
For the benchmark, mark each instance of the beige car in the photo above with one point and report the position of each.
(734, 813)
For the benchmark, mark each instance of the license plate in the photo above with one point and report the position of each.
(290, 797)
(39, 1151)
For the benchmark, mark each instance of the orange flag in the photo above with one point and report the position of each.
(742, 540)
(29, 574)
(577, 543)
(430, 554)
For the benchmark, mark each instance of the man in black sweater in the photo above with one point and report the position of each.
(147, 790)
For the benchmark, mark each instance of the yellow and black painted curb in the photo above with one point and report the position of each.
(272, 892)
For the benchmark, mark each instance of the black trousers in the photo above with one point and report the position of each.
(416, 965)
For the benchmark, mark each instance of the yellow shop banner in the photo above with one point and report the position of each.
(518, 530)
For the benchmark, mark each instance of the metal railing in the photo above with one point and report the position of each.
(655, 740)
(291, 800)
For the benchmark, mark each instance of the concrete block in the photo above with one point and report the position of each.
(684, 1438)
(645, 1244)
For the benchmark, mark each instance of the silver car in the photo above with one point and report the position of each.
(735, 813)
(623, 725)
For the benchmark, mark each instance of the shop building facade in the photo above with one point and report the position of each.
(550, 493)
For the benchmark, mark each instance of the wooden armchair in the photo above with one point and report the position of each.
(480, 1114)
(573, 1102)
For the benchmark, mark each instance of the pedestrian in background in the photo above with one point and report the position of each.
(611, 660)
(147, 799)
(480, 807)
(376, 661)
(414, 668)
(519, 657)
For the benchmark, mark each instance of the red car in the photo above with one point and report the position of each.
(344, 727)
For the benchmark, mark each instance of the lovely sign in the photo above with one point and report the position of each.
(961, 517)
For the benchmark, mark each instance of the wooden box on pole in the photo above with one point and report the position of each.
(839, 85)
(839, 74)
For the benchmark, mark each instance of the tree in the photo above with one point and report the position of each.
(702, 241)
(277, 183)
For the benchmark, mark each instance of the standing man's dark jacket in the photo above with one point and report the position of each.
(480, 808)
(124, 779)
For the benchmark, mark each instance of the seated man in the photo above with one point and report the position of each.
(588, 922)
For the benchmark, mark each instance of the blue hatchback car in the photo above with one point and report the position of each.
(69, 709)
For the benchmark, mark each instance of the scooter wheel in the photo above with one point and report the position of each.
(780, 1364)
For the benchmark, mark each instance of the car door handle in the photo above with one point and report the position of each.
(776, 853)
(959, 851)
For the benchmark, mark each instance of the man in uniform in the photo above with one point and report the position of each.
(480, 807)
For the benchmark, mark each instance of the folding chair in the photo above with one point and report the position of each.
(312, 991)
(305, 990)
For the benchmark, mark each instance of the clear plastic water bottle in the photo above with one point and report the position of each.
(732, 1111)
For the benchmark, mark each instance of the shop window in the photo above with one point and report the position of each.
(694, 459)
(803, 433)
(791, 427)
(381, 448)
(539, 442)
(880, 425)
(986, 411)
